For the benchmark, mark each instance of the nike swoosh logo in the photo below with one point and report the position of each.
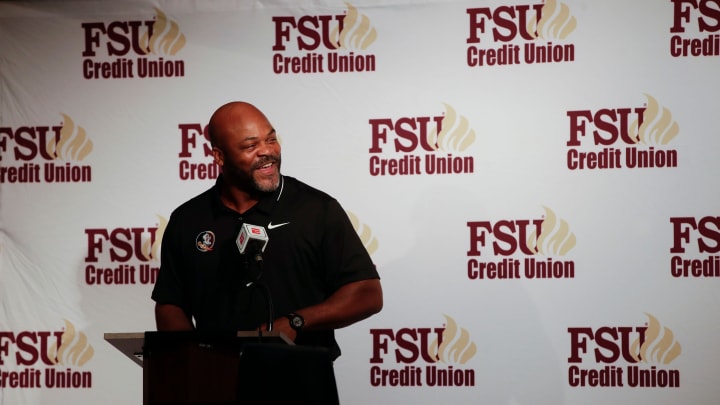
(273, 226)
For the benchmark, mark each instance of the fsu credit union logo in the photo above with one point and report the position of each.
(45, 359)
(424, 145)
(132, 49)
(695, 28)
(519, 34)
(626, 137)
(520, 248)
(623, 356)
(195, 156)
(45, 153)
(323, 43)
(696, 247)
(422, 357)
(123, 256)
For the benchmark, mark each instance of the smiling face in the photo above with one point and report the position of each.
(245, 147)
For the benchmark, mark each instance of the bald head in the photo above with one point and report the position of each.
(236, 119)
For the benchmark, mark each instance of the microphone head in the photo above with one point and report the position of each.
(251, 235)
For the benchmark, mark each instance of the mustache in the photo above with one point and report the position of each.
(266, 160)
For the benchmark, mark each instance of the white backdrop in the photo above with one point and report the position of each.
(543, 172)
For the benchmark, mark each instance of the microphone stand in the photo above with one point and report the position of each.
(264, 290)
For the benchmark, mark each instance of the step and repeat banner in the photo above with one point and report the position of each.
(535, 181)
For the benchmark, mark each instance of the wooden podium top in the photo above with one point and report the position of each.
(132, 344)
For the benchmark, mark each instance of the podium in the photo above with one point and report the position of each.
(194, 368)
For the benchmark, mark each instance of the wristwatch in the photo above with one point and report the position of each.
(296, 321)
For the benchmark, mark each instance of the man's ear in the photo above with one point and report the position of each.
(218, 156)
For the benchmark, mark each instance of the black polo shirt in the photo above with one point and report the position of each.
(312, 251)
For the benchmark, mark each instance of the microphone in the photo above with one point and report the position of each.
(252, 239)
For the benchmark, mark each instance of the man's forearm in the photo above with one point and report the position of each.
(170, 317)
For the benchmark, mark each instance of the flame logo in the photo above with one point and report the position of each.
(555, 236)
(456, 134)
(72, 144)
(150, 250)
(357, 32)
(456, 346)
(74, 348)
(555, 23)
(660, 346)
(365, 233)
(166, 38)
(658, 128)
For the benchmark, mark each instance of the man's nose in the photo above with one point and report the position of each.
(265, 148)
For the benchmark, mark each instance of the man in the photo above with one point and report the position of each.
(319, 276)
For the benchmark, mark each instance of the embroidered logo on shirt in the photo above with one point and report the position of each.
(273, 226)
(205, 241)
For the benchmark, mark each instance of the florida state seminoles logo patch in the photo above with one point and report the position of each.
(205, 241)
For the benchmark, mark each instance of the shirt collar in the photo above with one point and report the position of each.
(264, 206)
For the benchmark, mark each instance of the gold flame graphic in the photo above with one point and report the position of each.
(456, 346)
(555, 236)
(357, 32)
(166, 39)
(660, 346)
(150, 249)
(456, 134)
(555, 23)
(74, 348)
(365, 233)
(73, 142)
(657, 128)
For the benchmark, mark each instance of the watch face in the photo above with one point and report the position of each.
(296, 321)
